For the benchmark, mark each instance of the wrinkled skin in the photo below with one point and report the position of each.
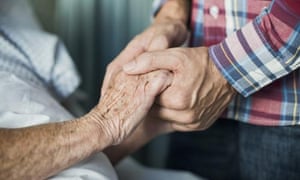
(198, 94)
(127, 100)
(160, 35)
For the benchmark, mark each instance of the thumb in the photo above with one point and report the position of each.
(151, 61)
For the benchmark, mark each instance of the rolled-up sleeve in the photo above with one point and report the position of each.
(264, 50)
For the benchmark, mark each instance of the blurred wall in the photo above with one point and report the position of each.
(95, 31)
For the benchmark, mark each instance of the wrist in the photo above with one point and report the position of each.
(98, 130)
(223, 81)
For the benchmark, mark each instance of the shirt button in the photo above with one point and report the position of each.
(214, 11)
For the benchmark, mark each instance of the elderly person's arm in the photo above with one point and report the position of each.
(41, 151)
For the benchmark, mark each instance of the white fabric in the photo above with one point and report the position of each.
(32, 54)
(23, 104)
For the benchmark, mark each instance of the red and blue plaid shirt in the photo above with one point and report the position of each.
(256, 46)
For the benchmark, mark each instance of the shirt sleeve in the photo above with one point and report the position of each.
(264, 50)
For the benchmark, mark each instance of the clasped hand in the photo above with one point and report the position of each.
(126, 102)
(198, 94)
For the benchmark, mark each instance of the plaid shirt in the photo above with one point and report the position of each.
(256, 46)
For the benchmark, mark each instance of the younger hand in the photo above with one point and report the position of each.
(198, 93)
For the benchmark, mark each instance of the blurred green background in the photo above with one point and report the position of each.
(94, 31)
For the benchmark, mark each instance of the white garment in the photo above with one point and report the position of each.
(23, 104)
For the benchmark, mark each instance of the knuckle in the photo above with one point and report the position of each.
(179, 57)
(171, 27)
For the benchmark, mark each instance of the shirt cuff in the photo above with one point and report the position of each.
(253, 57)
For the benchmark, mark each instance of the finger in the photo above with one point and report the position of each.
(181, 128)
(151, 61)
(153, 84)
(131, 51)
(185, 128)
(175, 97)
(172, 115)
(197, 126)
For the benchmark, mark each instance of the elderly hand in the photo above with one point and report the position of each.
(160, 35)
(127, 101)
(198, 94)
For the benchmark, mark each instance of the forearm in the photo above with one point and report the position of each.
(41, 151)
(261, 52)
(175, 10)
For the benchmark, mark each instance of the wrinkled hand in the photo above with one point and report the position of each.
(160, 35)
(126, 102)
(198, 93)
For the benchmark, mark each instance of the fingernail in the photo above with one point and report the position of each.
(129, 66)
